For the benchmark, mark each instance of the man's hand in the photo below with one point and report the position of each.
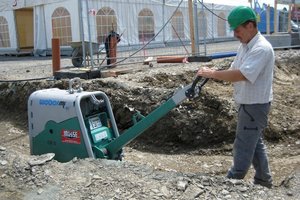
(206, 72)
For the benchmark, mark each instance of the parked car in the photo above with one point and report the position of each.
(294, 26)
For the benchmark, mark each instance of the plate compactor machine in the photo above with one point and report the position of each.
(75, 123)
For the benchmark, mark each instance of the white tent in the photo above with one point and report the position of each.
(28, 24)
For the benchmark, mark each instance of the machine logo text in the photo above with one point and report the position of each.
(70, 136)
(51, 102)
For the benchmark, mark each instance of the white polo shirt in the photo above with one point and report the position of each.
(256, 61)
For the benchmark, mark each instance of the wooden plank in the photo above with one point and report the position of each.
(119, 71)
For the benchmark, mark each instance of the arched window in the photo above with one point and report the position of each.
(106, 21)
(221, 25)
(202, 24)
(61, 26)
(145, 25)
(4, 33)
(177, 26)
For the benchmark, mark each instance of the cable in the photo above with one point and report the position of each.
(211, 11)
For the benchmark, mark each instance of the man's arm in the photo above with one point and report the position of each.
(225, 75)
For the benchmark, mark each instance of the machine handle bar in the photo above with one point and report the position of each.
(190, 93)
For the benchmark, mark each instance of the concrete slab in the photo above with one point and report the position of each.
(279, 40)
(295, 39)
(88, 73)
(83, 73)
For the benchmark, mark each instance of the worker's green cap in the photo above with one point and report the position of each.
(240, 15)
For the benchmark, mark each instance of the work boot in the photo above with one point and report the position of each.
(263, 183)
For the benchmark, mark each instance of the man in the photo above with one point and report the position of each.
(252, 74)
(110, 47)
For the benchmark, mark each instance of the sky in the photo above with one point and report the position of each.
(243, 2)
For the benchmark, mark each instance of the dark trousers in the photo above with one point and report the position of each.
(248, 146)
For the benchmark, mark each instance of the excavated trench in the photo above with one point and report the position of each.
(204, 121)
(201, 121)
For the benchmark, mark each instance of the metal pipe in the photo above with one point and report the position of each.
(275, 17)
(212, 21)
(55, 55)
(268, 19)
(89, 32)
(222, 55)
(81, 31)
(163, 19)
(289, 19)
(192, 28)
(204, 28)
(197, 52)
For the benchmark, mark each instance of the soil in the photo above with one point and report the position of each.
(185, 155)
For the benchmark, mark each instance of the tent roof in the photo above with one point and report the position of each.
(6, 5)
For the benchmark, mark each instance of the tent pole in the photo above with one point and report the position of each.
(44, 19)
(16, 30)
